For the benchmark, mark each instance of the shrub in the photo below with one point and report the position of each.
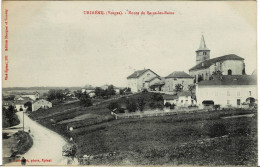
(172, 106)
(157, 97)
(141, 103)
(217, 130)
(121, 110)
(131, 105)
(159, 106)
(167, 104)
(152, 105)
(113, 105)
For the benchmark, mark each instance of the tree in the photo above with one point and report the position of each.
(141, 103)
(51, 94)
(98, 91)
(113, 105)
(200, 78)
(85, 100)
(78, 94)
(28, 105)
(131, 105)
(110, 90)
(178, 87)
(167, 104)
(191, 88)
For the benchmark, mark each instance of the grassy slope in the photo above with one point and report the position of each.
(156, 140)
(153, 141)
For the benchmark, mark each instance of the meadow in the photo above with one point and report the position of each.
(185, 139)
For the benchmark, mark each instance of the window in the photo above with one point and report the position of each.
(229, 72)
(228, 93)
(249, 93)
(238, 102)
(181, 101)
(204, 53)
(228, 101)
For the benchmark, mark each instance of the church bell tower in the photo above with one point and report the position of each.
(203, 53)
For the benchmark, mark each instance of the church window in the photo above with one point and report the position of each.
(204, 53)
(229, 72)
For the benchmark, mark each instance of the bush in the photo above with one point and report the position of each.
(172, 106)
(157, 97)
(152, 105)
(131, 105)
(121, 110)
(141, 103)
(113, 105)
(167, 104)
(217, 130)
(159, 106)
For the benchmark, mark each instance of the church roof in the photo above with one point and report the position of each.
(208, 63)
(179, 74)
(138, 73)
(202, 44)
(231, 80)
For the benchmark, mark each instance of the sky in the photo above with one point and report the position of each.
(55, 44)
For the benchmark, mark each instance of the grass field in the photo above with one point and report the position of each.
(165, 140)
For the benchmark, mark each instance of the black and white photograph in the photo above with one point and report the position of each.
(129, 83)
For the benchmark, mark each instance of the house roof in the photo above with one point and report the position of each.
(202, 44)
(231, 80)
(184, 93)
(138, 73)
(159, 83)
(24, 98)
(208, 63)
(149, 80)
(170, 97)
(40, 101)
(179, 74)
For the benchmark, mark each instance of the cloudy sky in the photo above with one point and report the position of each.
(55, 44)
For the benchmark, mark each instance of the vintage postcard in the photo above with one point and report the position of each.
(129, 83)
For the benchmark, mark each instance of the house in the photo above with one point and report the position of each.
(19, 103)
(227, 91)
(136, 81)
(177, 77)
(182, 99)
(44, 104)
(6, 104)
(228, 64)
(158, 86)
(152, 81)
(91, 93)
(33, 96)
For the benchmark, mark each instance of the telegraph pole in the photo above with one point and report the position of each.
(23, 121)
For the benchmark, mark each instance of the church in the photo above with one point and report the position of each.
(230, 64)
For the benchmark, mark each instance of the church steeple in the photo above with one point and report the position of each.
(203, 53)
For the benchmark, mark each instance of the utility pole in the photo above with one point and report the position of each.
(23, 121)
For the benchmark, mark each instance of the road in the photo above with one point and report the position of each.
(47, 144)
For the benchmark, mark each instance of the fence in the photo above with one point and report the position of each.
(156, 113)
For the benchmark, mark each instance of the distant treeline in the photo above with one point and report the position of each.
(38, 88)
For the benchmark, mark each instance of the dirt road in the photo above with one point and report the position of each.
(47, 145)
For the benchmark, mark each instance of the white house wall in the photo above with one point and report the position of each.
(225, 95)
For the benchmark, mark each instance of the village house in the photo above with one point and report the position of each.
(19, 103)
(137, 80)
(227, 91)
(182, 99)
(177, 77)
(33, 96)
(8, 103)
(44, 104)
(228, 64)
